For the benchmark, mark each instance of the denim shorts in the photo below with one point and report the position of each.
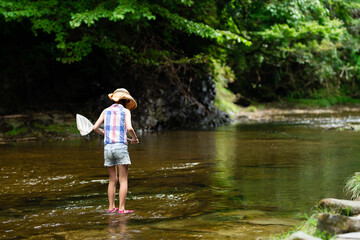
(115, 154)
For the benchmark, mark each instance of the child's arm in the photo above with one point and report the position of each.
(129, 127)
(98, 123)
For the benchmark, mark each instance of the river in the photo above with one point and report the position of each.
(241, 181)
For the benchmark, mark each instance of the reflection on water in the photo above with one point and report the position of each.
(240, 182)
(117, 225)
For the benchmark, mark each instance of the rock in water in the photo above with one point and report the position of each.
(337, 223)
(341, 206)
(302, 236)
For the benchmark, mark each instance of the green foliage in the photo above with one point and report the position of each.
(203, 30)
(298, 46)
(58, 128)
(312, 44)
(273, 49)
(16, 132)
(294, 12)
(224, 99)
(309, 226)
(79, 26)
(123, 9)
(323, 102)
(352, 186)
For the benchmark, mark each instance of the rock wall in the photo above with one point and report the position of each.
(170, 108)
(163, 104)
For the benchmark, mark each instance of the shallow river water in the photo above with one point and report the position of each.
(236, 182)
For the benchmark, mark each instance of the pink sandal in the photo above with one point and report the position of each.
(114, 210)
(126, 211)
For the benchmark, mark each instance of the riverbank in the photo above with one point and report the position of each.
(62, 126)
(276, 113)
(333, 219)
(38, 126)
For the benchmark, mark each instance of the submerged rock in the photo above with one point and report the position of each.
(237, 224)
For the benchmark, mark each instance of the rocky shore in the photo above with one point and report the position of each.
(37, 126)
(340, 220)
(278, 114)
(336, 219)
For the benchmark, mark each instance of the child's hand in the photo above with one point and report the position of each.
(134, 141)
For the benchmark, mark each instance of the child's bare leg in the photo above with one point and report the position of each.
(116, 181)
(123, 180)
(112, 187)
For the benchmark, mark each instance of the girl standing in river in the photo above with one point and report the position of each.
(117, 122)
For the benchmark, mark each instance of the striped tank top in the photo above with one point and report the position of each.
(114, 124)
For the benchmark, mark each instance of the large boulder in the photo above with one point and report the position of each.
(348, 236)
(335, 224)
(302, 236)
(341, 206)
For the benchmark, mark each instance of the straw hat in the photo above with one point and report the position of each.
(122, 93)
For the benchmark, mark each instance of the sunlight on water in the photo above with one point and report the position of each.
(239, 182)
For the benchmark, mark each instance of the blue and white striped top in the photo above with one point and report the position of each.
(114, 124)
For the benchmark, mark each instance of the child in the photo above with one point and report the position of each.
(117, 122)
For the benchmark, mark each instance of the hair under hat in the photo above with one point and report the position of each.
(122, 93)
